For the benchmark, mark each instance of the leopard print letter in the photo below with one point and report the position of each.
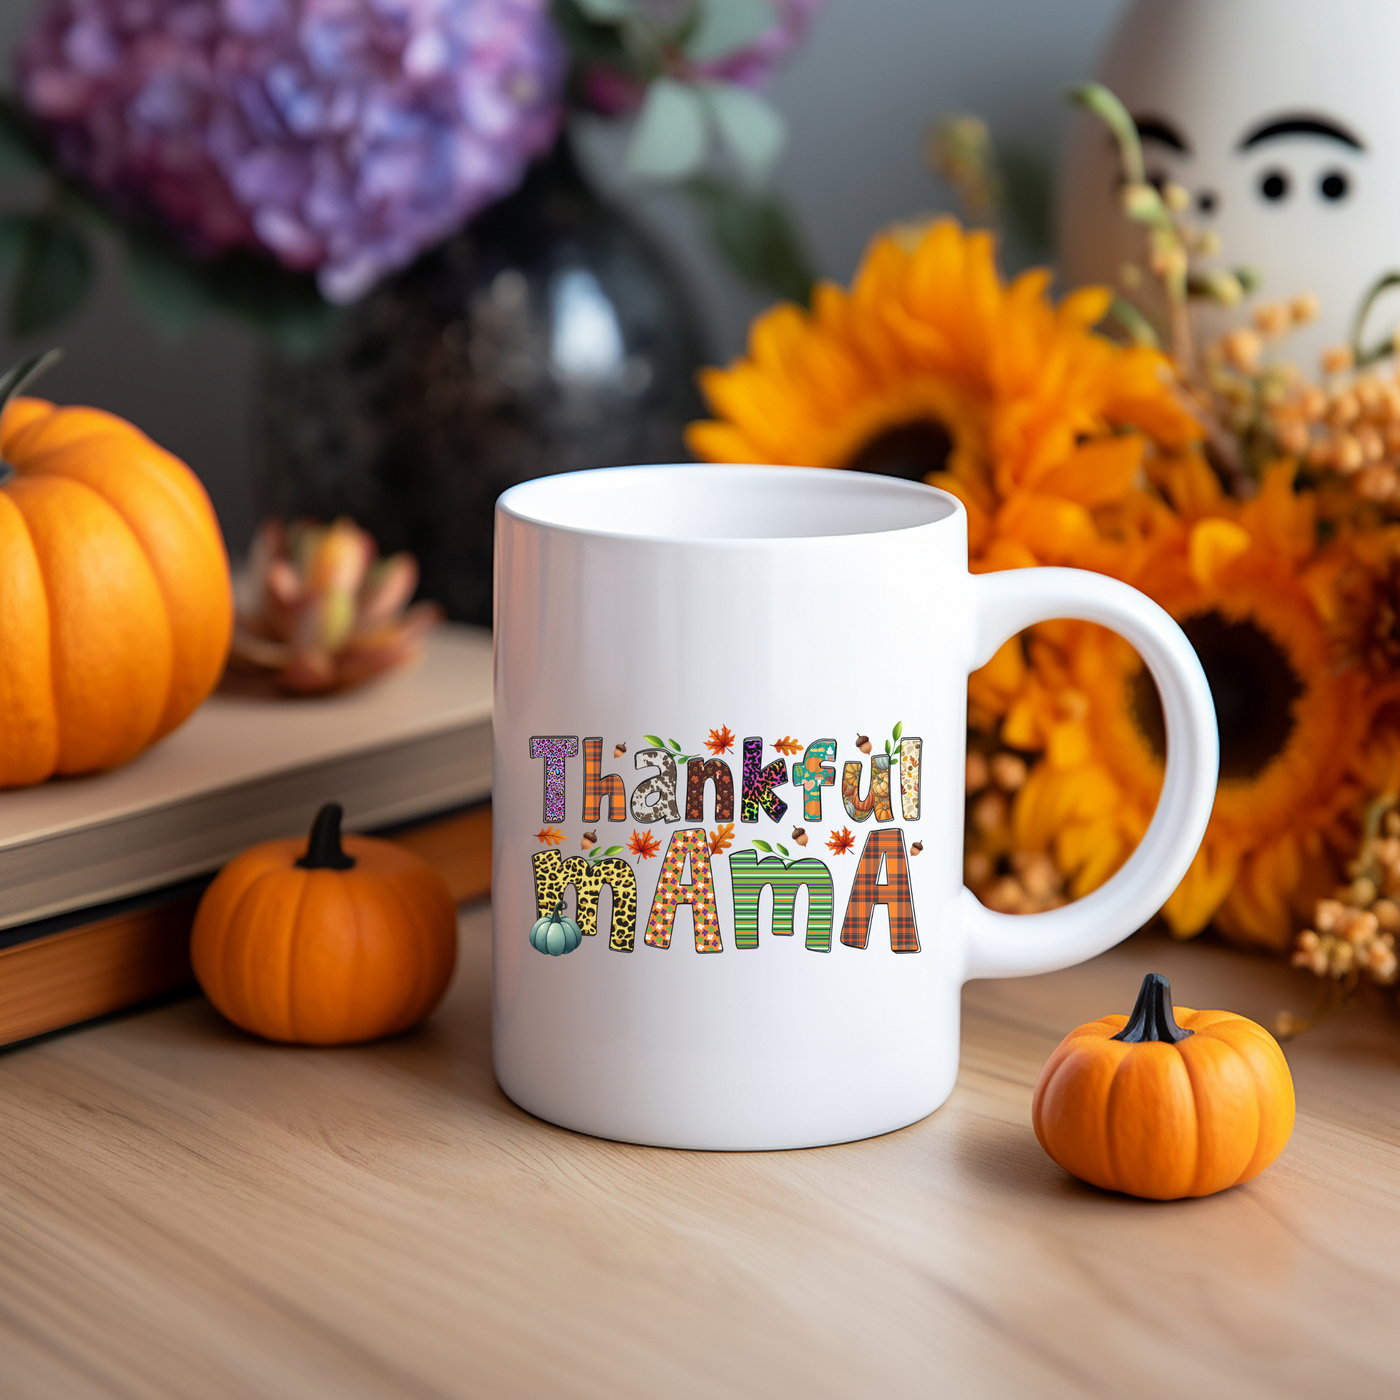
(554, 875)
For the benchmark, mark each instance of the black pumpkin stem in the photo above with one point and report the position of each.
(1152, 1017)
(323, 849)
(19, 376)
(14, 380)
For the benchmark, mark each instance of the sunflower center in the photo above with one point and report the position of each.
(1254, 687)
(909, 450)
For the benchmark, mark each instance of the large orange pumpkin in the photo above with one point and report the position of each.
(1165, 1103)
(115, 602)
(324, 942)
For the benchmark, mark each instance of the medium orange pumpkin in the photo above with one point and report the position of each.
(321, 942)
(1164, 1104)
(115, 602)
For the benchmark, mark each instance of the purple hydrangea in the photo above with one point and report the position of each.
(342, 136)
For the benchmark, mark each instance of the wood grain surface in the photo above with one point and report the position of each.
(187, 1212)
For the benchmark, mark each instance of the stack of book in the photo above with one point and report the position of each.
(100, 876)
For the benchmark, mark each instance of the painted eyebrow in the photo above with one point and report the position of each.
(1161, 130)
(1300, 124)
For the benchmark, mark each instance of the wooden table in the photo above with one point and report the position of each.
(185, 1212)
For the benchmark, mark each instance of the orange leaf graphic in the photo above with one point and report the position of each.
(722, 839)
(721, 740)
(787, 745)
(644, 844)
(841, 841)
(551, 836)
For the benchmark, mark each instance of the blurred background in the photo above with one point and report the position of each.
(859, 97)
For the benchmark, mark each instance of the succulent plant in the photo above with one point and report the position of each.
(318, 610)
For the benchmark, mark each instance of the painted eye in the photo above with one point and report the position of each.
(1274, 186)
(1334, 185)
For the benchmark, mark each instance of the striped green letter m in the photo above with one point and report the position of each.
(749, 874)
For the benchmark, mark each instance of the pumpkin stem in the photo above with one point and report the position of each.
(18, 377)
(1152, 1017)
(323, 849)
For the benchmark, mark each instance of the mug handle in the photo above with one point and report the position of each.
(1015, 945)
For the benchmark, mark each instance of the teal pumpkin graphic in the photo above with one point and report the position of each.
(555, 934)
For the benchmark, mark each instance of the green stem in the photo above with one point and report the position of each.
(1362, 356)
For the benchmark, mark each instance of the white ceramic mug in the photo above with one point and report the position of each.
(725, 994)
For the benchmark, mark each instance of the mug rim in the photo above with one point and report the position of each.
(514, 503)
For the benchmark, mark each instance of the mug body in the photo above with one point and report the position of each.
(751, 681)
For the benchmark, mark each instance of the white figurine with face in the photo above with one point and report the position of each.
(1281, 120)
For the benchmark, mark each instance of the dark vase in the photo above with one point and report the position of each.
(548, 336)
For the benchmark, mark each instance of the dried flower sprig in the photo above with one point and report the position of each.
(1002, 877)
(1354, 932)
(1176, 254)
(318, 610)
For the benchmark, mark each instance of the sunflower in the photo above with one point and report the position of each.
(1271, 616)
(931, 367)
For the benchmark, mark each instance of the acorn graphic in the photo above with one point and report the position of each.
(916, 848)
(588, 840)
(863, 743)
(619, 750)
(799, 834)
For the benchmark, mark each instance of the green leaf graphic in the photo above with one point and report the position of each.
(764, 846)
(654, 741)
(898, 730)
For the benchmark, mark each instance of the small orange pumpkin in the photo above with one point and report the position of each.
(1162, 1107)
(115, 602)
(323, 942)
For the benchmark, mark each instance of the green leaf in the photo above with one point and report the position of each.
(887, 746)
(654, 741)
(668, 142)
(674, 745)
(757, 237)
(21, 152)
(612, 851)
(14, 232)
(751, 128)
(53, 274)
(764, 846)
(168, 288)
(285, 306)
(898, 730)
(783, 849)
(725, 25)
(605, 11)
